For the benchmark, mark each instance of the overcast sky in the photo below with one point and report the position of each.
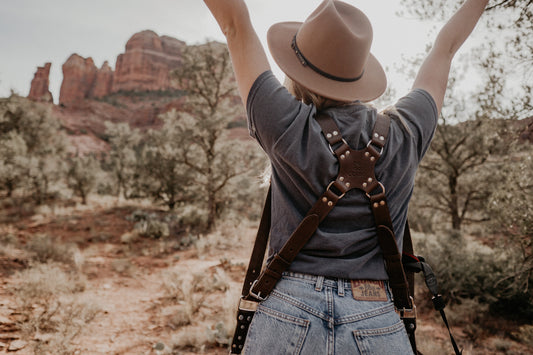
(33, 32)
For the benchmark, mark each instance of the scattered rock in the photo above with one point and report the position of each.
(17, 345)
(159, 346)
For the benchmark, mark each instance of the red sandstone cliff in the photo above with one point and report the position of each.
(144, 66)
(103, 81)
(39, 90)
(146, 62)
(79, 75)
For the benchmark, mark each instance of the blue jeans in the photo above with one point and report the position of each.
(308, 314)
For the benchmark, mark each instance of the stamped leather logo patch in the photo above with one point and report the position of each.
(369, 290)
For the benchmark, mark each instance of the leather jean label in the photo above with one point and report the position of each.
(369, 290)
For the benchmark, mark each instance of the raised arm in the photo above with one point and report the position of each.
(433, 74)
(247, 54)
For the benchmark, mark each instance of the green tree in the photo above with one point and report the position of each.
(164, 176)
(122, 158)
(33, 147)
(82, 175)
(201, 130)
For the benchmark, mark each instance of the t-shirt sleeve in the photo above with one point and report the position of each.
(419, 111)
(271, 109)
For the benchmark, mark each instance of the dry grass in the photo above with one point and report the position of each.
(51, 312)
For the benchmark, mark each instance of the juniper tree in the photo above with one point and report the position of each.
(32, 149)
(211, 106)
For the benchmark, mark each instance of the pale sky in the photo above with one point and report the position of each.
(33, 32)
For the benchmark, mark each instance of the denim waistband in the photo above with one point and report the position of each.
(324, 280)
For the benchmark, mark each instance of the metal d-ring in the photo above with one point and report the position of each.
(380, 185)
(331, 148)
(380, 152)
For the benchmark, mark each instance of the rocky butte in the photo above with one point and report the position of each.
(39, 90)
(144, 66)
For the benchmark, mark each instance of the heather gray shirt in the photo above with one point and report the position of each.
(345, 244)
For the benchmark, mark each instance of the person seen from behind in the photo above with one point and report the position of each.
(315, 308)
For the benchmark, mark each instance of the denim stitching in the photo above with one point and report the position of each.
(330, 344)
(304, 323)
(298, 304)
(283, 316)
(369, 314)
(380, 331)
(359, 334)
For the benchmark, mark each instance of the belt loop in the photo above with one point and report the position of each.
(340, 287)
(319, 283)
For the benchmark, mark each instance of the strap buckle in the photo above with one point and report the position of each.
(257, 295)
(247, 305)
(409, 313)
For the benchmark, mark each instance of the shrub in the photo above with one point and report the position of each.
(525, 335)
(148, 225)
(45, 249)
(52, 313)
(467, 269)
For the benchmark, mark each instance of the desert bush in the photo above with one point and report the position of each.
(468, 270)
(32, 148)
(524, 334)
(45, 249)
(52, 313)
(82, 175)
(149, 225)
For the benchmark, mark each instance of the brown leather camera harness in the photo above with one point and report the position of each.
(356, 171)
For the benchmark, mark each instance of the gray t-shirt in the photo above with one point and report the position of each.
(345, 244)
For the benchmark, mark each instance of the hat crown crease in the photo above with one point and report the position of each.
(336, 39)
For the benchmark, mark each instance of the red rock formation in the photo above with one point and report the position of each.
(146, 62)
(79, 75)
(39, 85)
(103, 81)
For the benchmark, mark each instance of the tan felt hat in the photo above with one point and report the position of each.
(329, 53)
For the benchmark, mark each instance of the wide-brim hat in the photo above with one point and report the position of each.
(329, 53)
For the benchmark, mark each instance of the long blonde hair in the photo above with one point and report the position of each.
(308, 97)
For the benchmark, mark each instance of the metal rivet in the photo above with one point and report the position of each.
(347, 152)
(240, 346)
(347, 184)
(342, 156)
(249, 319)
(372, 158)
(369, 179)
(382, 203)
(239, 337)
(242, 327)
(329, 135)
(341, 178)
(376, 135)
(365, 184)
(330, 203)
(335, 133)
(367, 154)
(381, 138)
(234, 346)
(324, 199)
(241, 317)
(376, 205)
